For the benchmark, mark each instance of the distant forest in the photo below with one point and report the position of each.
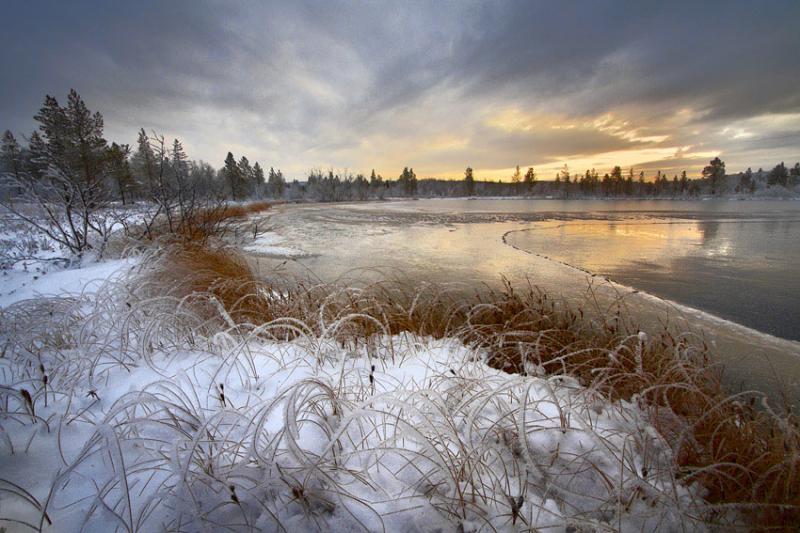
(69, 152)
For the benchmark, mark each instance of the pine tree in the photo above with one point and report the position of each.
(178, 158)
(10, 155)
(794, 175)
(469, 182)
(143, 163)
(408, 181)
(361, 186)
(247, 176)
(233, 176)
(778, 175)
(516, 179)
(179, 177)
(277, 184)
(629, 182)
(73, 187)
(530, 180)
(375, 180)
(74, 144)
(11, 160)
(258, 179)
(714, 172)
(377, 184)
(745, 181)
(120, 171)
(36, 157)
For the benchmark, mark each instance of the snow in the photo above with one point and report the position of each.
(123, 410)
(147, 424)
(18, 285)
(32, 265)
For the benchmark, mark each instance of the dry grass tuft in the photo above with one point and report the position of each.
(193, 225)
(746, 455)
(213, 221)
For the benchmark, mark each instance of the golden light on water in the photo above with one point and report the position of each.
(601, 246)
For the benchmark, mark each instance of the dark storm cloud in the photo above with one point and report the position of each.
(737, 58)
(369, 84)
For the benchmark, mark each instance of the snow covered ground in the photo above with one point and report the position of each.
(24, 284)
(123, 413)
(121, 410)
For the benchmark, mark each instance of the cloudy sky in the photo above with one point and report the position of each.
(433, 85)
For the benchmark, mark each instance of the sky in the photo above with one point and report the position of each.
(436, 85)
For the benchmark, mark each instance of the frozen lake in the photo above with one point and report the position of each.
(725, 268)
(741, 269)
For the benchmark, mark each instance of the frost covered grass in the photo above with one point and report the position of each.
(131, 413)
(742, 451)
(196, 396)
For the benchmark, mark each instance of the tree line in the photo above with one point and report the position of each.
(69, 159)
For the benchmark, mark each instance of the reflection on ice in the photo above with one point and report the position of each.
(736, 269)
